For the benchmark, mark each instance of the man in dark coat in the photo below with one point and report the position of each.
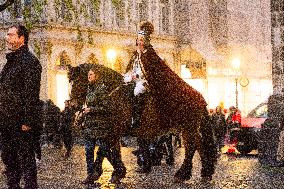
(20, 76)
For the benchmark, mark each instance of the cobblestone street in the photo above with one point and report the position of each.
(233, 171)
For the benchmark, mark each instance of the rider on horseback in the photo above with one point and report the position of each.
(135, 72)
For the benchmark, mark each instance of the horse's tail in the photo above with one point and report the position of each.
(208, 147)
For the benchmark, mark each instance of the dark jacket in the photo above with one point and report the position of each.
(51, 118)
(97, 123)
(66, 119)
(21, 76)
(218, 124)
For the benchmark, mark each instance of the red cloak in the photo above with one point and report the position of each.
(177, 101)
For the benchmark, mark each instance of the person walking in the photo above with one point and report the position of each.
(20, 80)
(97, 129)
(51, 121)
(219, 127)
(66, 119)
(233, 122)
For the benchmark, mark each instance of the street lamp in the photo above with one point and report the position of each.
(236, 65)
(111, 57)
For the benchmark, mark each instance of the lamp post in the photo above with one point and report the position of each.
(236, 65)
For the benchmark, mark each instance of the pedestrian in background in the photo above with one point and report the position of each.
(233, 122)
(52, 123)
(219, 127)
(20, 76)
(66, 121)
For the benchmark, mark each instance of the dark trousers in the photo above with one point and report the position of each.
(18, 157)
(67, 139)
(104, 150)
(138, 107)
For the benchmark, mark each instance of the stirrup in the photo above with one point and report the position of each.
(134, 124)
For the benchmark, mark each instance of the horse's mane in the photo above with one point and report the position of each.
(79, 76)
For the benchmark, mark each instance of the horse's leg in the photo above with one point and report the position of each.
(143, 157)
(190, 144)
(207, 150)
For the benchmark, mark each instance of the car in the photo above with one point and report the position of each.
(248, 132)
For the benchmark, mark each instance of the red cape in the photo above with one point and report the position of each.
(176, 100)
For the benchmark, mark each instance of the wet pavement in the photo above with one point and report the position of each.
(233, 171)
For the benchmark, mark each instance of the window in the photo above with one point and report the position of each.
(143, 10)
(259, 112)
(18, 9)
(94, 8)
(66, 8)
(165, 15)
(119, 7)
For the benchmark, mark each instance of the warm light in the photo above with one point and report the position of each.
(236, 63)
(62, 89)
(111, 55)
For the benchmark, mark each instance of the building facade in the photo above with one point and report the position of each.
(197, 39)
(277, 22)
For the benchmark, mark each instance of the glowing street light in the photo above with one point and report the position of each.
(236, 64)
(111, 55)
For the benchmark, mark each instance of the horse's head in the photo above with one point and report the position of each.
(78, 77)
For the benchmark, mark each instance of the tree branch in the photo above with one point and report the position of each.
(6, 5)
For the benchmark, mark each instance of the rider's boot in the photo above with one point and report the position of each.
(138, 107)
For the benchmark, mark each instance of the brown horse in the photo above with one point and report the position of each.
(196, 130)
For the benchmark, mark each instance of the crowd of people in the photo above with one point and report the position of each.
(40, 122)
(27, 122)
(224, 123)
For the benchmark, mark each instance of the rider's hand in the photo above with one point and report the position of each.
(87, 110)
(25, 128)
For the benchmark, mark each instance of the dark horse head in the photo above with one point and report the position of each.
(78, 77)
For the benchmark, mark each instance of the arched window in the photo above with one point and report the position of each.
(94, 11)
(119, 6)
(143, 10)
(65, 12)
(165, 12)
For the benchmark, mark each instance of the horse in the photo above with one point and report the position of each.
(196, 129)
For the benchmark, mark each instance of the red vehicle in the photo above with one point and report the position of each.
(250, 127)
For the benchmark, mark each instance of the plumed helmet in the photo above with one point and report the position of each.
(146, 27)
